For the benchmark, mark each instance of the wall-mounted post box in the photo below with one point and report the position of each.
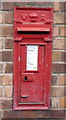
(32, 58)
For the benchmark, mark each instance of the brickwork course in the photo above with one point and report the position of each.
(58, 81)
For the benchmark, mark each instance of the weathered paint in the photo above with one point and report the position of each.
(32, 26)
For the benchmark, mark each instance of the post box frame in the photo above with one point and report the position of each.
(17, 66)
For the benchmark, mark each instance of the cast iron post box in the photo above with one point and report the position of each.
(32, 58)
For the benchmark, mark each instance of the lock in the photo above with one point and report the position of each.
(33, 47)
(25, 78)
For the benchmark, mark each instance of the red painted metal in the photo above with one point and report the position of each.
(32, 27)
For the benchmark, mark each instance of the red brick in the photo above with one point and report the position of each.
(0, 17)
(0, 103)
(34, 114)
(6, 104)
(58, 68)
(62, 102)
(59, 18)
(8, 68)
(1, 114)
(63, 6)
(65, 112)
(1, 80)
(1, 67)
(7, 17)
(65, 80)
(51, 113)
(18, 114)
(58, 44)
(7, 5)
(57, 114)
(56, 6)
(62, 31)
(23, 3)
(57, 91)
(1, 91)
(8, 92)
(54, 80)
(7, 56)
(7, 31)
(0, 5)
(0, 31)
(65, 91)
(42, 114)
(65, 44)
(56, 31)
(60, 79)
(33, 3)
(63, 56)
(43, 3)
(56, 56)
(1, 43)
(7, 79)
(0, 56)
(8, 43)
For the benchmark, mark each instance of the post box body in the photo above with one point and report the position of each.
(32, 58)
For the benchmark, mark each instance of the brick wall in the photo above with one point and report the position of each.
(58, 83)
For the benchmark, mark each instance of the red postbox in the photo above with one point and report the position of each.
(32, 58)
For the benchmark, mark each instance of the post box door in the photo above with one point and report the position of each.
(32, 58)
(32, 73)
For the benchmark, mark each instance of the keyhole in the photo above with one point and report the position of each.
(25, 78)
